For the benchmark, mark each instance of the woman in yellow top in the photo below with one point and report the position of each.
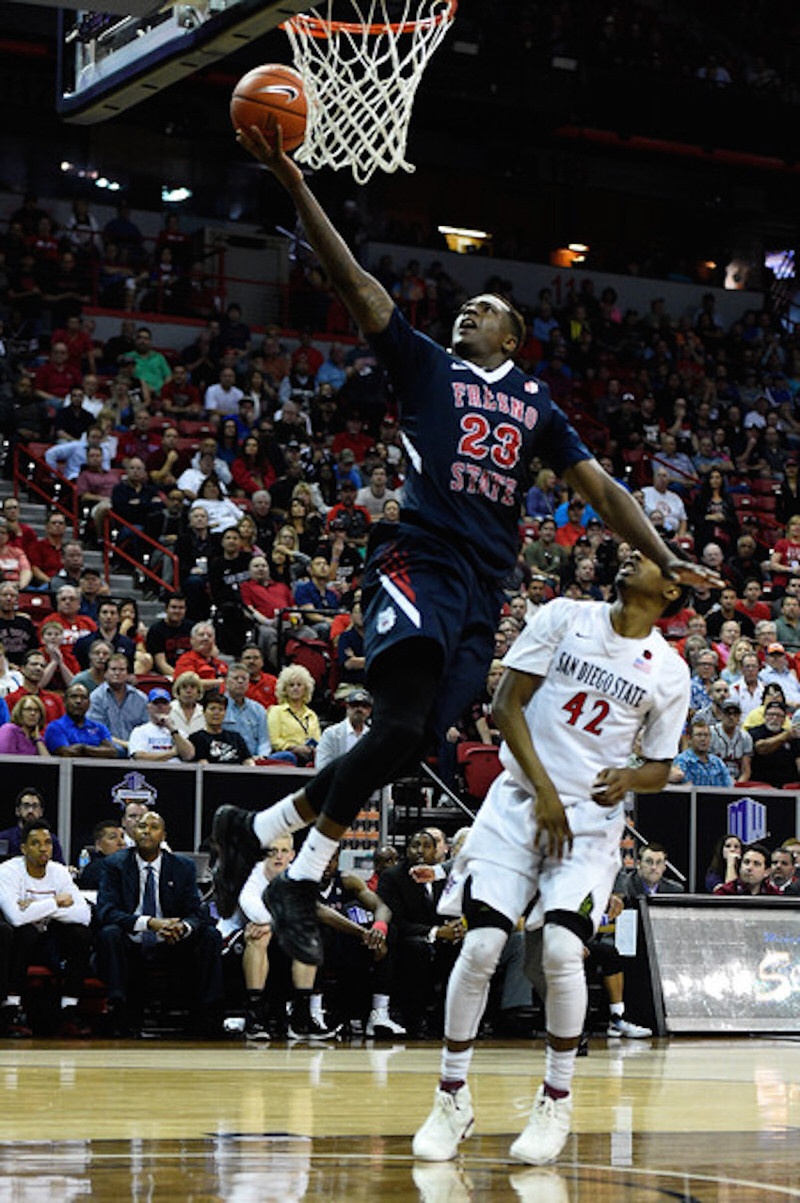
(293, 725)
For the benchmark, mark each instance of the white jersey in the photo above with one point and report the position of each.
(599, 689)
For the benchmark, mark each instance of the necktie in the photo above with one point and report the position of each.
(149, 905)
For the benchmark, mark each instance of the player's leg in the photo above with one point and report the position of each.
(404, 683)
(451, 1118)
(574, 894)
(495, 895)
(565, 1007)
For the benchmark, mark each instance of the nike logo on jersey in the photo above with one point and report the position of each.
(286, 90)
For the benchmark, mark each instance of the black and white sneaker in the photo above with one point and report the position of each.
(293, 906)
(237, 849)
(254, 1029)
(311, 1027)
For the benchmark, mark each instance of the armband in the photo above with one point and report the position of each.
(380, 926)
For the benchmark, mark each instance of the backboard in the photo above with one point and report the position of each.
(109, 61)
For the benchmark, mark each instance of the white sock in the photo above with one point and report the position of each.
(66, 1001)
(559, 1068)
(454, 1067)
(313, 858)
(315, 1005)
(281, 819)
(617, 1009)
(380, 1002)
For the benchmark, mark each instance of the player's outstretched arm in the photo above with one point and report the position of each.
(368, 301)
(512, 696)
(625, 516)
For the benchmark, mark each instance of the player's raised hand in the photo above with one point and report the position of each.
(554, 836)
(693, 574)
(271, 154)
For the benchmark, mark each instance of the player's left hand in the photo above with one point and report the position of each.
(610, 786)
(693, 574)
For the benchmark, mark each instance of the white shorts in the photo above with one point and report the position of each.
(506, 870)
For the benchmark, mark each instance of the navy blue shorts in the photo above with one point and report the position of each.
(418, 586)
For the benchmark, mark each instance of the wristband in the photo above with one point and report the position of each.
(380, 926)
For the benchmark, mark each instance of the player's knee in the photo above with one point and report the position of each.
(401, 726)
(481, 949)
(562, 951)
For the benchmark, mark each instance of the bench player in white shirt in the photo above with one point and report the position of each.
(582, 680)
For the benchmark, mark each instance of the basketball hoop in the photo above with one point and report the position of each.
(361, 77)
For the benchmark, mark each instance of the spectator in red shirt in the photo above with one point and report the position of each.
(201, 659)
(252, 470)
(753, 875)
(48, 558)
(751, 603)
(356, 518)
(262, 685)
(19, 533)
(68, 604)
(314, 358)
(785, 559)
(54, 379)
(354, 437)
(138, 441)
(44, 244)
(32, 668)
(263, 600)
(179, 398)
(568, 534)
(78, 343)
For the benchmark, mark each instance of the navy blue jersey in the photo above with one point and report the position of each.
(469, 436)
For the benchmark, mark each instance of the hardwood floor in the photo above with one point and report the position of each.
(691, 1120)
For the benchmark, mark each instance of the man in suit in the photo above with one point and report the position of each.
(648, 877)
(427, 945)
(149, 911)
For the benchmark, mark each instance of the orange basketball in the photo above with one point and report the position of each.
(268, 96)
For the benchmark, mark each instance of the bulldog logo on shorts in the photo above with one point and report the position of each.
(386, 620)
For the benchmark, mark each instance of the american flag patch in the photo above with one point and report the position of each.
(644, 662)
(531, 386)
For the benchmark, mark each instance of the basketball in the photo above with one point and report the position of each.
(268, 96)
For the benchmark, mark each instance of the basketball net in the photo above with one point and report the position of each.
(361, 76)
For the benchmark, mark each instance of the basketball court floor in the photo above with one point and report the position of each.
(700, 1121)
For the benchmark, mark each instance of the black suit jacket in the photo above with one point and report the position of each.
(118, 895)
(412, 906)
(630, 885)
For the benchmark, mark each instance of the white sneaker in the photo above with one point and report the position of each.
(449, 1122)
(618, 1027)
(380, 1023)
(546, 1132)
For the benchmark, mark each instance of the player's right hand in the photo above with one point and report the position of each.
(554, 835)
(271, 156)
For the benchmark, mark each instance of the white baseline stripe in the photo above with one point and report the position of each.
(409, 609)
